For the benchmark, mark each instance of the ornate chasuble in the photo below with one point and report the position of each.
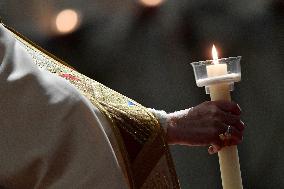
(140, 138)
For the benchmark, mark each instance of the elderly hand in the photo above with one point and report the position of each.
(202, 125)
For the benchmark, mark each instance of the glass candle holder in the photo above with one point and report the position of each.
(231, 72)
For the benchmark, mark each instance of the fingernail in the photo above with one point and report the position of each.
(210, 150)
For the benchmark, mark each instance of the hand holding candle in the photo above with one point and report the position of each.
(218, 77)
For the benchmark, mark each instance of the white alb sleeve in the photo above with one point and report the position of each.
(165, 118)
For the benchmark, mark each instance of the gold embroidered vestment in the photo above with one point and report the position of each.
(140, 137)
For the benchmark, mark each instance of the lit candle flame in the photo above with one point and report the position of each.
(215, 55)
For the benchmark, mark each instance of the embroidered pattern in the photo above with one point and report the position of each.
(116, 104)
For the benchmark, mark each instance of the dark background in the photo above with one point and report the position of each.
(145, 53)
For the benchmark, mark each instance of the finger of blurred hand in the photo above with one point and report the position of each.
(228, 118)
(236, 135)
(228, 106)
(231, 119)
(239, 125)
(218, 142)
(211, 150)
(214, 148)
(235, 122)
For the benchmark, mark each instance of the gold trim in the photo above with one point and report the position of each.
(28, 42)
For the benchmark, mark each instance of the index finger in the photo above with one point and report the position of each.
(228, 106)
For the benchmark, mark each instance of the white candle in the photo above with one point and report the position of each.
(228, 156)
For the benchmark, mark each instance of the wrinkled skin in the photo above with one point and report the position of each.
(202, 125)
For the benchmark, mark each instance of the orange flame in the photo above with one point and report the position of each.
(215, 55)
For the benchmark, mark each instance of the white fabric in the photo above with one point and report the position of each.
(179, 114)
(50, 136)
(162, 117)
(165, 118)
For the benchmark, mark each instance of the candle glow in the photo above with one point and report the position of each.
(151, 3)
(67, 21)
